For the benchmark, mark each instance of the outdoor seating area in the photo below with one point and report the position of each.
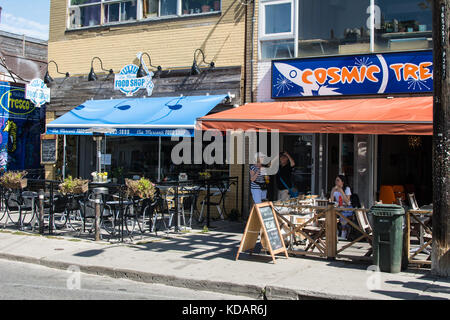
(112, 212)
(107, 211)
(310, 228)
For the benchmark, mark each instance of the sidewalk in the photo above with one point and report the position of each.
(206, 261)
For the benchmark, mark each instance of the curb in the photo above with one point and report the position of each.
(268, 292)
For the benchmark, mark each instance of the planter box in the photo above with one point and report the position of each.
(20, 184)
(81, 189)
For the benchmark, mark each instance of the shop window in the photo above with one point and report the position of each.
(333, 27)
(329, 27)
(277, 49)
(403, 25)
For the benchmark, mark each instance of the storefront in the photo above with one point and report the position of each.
(366, 116)
(137, 130)
(21, 124)
(334, 51)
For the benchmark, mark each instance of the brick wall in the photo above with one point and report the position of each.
(170, 42)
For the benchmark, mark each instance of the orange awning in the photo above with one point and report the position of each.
(399, 116)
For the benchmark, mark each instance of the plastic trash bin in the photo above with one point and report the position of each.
(388, 236)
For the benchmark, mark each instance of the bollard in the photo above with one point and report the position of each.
(51, 220)
(41, 211)
(97, 216)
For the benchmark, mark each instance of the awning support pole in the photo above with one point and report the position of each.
(159, 159)
(64, 158)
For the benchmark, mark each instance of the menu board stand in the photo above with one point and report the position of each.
(263, 220)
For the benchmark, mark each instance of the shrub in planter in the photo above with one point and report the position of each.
(142, 188)
(74, 186)
(14, 179)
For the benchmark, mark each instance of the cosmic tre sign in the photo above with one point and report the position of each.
(403, 72)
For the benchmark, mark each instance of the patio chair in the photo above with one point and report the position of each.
(217, 199)
(107, 219)
(22, 202)
(416, 228)
(189, 202)
(363, 222)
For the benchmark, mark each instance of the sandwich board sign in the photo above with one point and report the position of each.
(263, 220)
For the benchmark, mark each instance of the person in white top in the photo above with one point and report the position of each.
(341, 189)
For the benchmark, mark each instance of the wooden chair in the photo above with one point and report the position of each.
(364, 224)
(419, 223)
(412, 201)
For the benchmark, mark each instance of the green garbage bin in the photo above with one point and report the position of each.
(387, 236)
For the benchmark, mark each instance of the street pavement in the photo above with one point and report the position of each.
(24, 281)
(206, 261)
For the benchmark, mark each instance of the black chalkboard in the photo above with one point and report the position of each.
(271, 227)
(263, 221)
(49, 150)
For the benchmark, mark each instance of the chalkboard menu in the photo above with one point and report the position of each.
(49, 149)
(271, 227)
(263, 221)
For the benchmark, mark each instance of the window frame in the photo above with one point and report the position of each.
(262, 24)
(139, 14)
(109, 2)
(263, 37)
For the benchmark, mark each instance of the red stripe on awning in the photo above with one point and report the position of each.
(397, 116)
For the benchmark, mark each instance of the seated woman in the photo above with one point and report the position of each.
(341, 195)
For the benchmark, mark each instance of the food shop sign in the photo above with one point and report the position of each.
(127, 82)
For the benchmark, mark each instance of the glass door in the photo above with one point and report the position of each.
(301, 149)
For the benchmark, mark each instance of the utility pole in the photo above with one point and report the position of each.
(441, 139)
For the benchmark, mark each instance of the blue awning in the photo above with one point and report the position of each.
(167, 116)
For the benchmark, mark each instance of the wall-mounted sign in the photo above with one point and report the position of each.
(14, 102)
(37, 92)
(128, 84)
(49, 149)
(402, 72)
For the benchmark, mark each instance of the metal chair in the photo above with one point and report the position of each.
(220, 199)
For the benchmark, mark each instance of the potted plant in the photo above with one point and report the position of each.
(142, 188)
(14, 179)
(205, 175)
(73, 186)
(206, 7)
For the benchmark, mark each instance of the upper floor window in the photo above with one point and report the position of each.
(160, 8)
(333, 27)
(277, 28)
(85, 13)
